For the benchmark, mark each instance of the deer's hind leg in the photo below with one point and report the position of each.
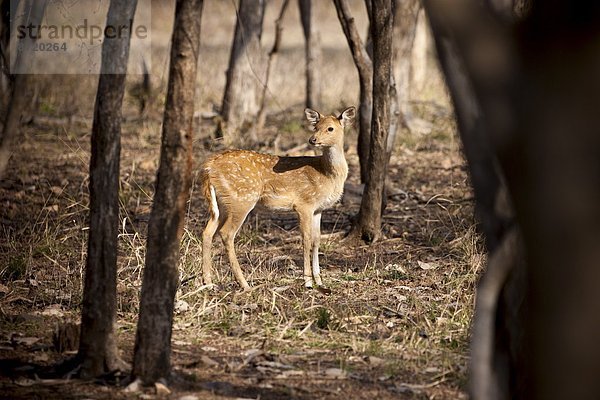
(207, 237)
(232, 221)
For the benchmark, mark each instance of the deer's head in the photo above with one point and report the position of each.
(329, 131)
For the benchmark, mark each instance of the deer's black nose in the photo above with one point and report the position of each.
(312, 140)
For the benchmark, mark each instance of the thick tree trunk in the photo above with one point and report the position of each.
(497, 343)
(368, 225)
(18, 100)
(313, 52)
(537, 94)
(365, 76)
(98, 349)
(153, 338)
(245, 74)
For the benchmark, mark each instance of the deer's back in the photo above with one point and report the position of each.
(282, 183)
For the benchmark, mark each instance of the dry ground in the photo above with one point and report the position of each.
(396, 324)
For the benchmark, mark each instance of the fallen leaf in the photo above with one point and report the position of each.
(181, 306)
(427, 265)
(375, 361)
(53, 310)
(335, 373)
(25, 382)
(162, 389)
(26, 341)
(290, 372)
(206, 360)
(133, 387)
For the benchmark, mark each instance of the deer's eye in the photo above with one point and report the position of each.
(330, 129)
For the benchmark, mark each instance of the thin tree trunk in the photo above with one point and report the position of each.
(153, 337)
(245, 74)
(313, 53)
(365, 76)
(5, 83)
(262, 112)
(368, 225)
(405, 24)
(18, 100)
(98, 352)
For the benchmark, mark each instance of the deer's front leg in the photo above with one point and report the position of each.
(316, 239)
(306, 222)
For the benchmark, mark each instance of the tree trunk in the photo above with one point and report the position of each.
(368, 225)
(19, 99)
(537, 96)
(419, 69)
(246, 72)
(365, 77)
(98, 349)
(405, 26)
(496, 349)
(313, 52)
(153, 338)
(5, 83)
(262, 112)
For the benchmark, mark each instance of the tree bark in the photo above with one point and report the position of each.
(98, 349)
(365, 77)
(537, 89)
(405, 27)
(368, 224)
(160, 280)
(313, 53)
(19, 99)
(5, 78)
(262, 112)
(245, 74)
(495, 348)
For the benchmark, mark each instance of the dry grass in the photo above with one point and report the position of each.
(397, 320)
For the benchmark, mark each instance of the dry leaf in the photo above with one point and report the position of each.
(427, 265)
(27, 341)
(335, 373)
(162, 389)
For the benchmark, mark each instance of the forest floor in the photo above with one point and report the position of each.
(396, 323)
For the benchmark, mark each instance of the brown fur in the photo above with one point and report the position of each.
(242, 179)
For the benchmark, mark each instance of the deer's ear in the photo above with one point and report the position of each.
(347, 116)
(312, 116)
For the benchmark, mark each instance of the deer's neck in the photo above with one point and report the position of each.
(335, 162)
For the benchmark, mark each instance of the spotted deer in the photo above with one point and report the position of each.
(235, 181)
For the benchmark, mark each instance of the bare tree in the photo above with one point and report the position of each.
(98, 352)
(262, 112)
(313, 53)
(19, 99)
(535, 87)
(368, 224)
(405, 27)
(5, 83)
(365, 77)
(246, 72)
(153, 337)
